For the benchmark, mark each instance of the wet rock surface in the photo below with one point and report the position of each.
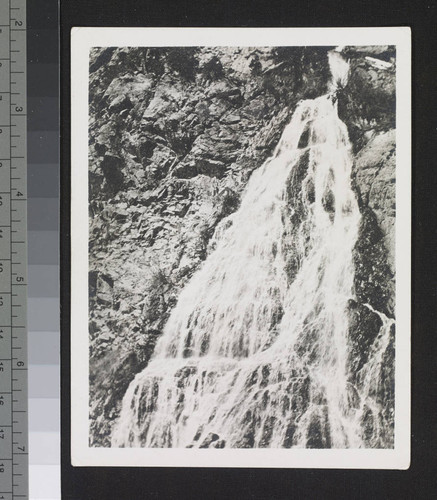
(109, 379)
(367, 106)
(364, 327)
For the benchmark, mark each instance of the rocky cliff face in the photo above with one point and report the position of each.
(174, 136)
(367, 105)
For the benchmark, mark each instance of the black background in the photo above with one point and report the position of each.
(420, 481)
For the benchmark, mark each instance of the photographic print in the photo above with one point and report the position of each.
(240, 247)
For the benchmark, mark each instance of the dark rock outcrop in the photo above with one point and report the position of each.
(373, 277)
(364, 326)
(112, 168)
(368, 101)
(367, 106)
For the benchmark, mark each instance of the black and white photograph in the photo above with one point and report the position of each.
(240, 247)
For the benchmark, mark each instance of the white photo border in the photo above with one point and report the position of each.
(82, 40)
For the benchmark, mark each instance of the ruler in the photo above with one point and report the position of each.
(13, 252)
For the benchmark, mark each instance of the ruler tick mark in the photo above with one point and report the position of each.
(15, 44)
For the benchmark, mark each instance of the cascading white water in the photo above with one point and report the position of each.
(256, 351)
(339, 69)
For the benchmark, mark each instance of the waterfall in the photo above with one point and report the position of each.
(256, 352)
(339, 69)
